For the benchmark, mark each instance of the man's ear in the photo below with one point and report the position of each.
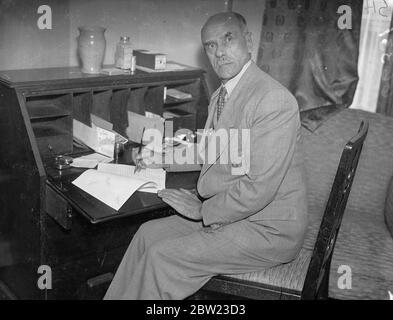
(249, 41)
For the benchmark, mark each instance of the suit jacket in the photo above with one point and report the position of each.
(273, 188)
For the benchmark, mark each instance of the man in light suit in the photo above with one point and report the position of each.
(248, 221)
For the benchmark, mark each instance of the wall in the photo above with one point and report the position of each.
(253, 11)
(169, 26)
(23, 44)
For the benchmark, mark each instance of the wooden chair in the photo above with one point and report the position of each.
(306, 277)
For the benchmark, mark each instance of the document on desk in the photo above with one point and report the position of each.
(90, 161)
(152, 128)
(113, 184)
(96, 138)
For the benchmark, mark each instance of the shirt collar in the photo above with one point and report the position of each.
(231, 84)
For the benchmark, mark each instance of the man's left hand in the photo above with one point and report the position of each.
(183, 201)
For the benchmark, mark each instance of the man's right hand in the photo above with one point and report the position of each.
(147, 159)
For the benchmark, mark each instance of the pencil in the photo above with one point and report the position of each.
(139, 152)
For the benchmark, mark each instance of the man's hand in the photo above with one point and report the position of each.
(213, 227)
(147, 159)
(183, 201)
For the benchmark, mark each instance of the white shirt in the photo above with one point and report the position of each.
(230, 86)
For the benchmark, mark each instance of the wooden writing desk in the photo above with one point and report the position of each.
(45, 220)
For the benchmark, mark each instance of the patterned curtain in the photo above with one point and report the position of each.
(304, 49)
(385, 98)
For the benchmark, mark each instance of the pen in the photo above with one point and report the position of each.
(139, 152)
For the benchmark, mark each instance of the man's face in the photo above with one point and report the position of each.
(227, 47)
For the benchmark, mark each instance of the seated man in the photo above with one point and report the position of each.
(247, 221)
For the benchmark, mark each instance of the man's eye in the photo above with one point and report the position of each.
(210, 46)
(228, 38)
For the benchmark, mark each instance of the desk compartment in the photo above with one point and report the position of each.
(53, 136)
(48, 106)
(51, 121)
(180, 106)
(179, 118)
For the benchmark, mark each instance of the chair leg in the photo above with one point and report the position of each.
(323, 292)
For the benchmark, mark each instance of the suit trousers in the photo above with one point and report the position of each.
(172, 257)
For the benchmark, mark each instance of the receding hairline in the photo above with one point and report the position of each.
(224, 17)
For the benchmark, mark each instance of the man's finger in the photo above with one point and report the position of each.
(179, 196)
(174, 198)
(174, 205)
(190, 193)
(172, 192)
(187, 191)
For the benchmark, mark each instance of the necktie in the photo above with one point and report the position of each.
(221, 101)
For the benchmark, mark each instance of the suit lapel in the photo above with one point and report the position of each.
(208, 128)
(225, 122)
(233, 111)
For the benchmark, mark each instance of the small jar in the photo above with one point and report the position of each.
(123, 54)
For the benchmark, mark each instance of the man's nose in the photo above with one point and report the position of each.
(220, 50)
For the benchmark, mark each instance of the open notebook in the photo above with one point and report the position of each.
(113, 184)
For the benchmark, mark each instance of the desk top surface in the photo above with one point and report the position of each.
(42, 76)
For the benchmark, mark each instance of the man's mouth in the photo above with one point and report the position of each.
(220, 64)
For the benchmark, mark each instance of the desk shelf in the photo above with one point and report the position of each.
(50, 106)
(47, 112)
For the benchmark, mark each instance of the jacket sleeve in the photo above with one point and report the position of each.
(273, 136)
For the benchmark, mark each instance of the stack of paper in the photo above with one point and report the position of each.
(177, 94)
(99, 122)
(170, 66)
(100, 137)
(96, 138)
(113, 184)
(90, 161)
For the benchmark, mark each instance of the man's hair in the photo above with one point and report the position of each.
(242, 21)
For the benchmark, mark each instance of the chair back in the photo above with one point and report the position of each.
(316, 285)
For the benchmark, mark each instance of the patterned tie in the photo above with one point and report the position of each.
(221, 101)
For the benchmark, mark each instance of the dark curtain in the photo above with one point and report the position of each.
(303, 48)
(385, 97)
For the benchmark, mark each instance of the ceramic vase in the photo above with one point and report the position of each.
(91, 48)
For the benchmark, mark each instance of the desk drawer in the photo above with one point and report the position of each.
(83, 238)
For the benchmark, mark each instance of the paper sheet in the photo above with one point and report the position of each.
(154, 175)
(102, 123)
(113, 190)
(113, 184)
(84, 133)
(154, 130)
(96, 138)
